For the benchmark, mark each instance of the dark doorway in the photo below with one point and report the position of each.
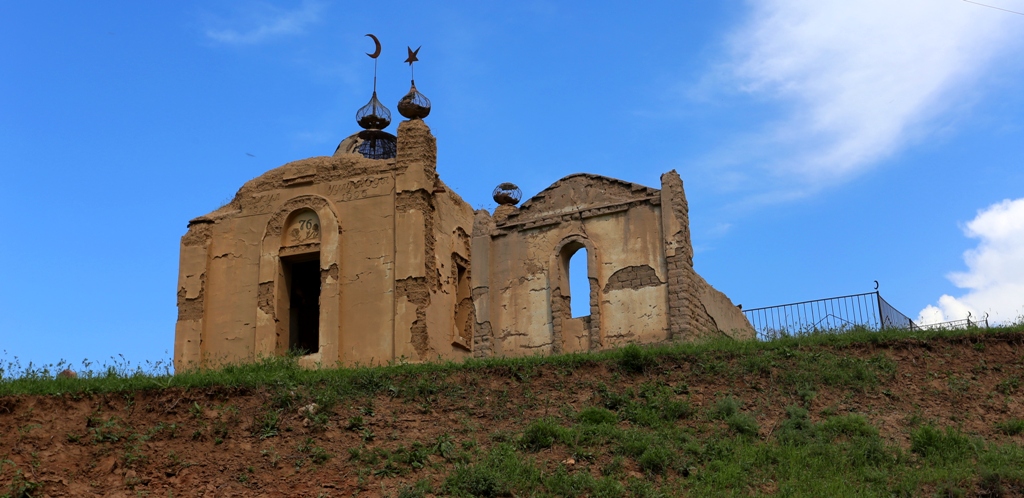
(304, 305)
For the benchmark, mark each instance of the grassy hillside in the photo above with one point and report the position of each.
(857, 413)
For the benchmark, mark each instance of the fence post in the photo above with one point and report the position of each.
(881, 317)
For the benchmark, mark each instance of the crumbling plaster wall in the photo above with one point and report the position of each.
(409, 272)
(696, 309)
(522, 306)
(640, 265)
(391, 229)
(240, 267)
(432, 229)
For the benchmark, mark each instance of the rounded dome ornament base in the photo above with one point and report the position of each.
(371, 144)
(507, 194)
(414, 105)
(373, 115)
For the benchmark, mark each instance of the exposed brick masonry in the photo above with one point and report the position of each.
(415, 290)
(632, 277)
(191, 309)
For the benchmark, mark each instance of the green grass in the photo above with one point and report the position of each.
(639, 434)
(812, 367)
(1011, 427)
(840, 456)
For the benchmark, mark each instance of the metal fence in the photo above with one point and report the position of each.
(891, 317)
(837, 314)
(966, 323)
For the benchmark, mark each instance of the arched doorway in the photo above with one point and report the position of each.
(300, 266)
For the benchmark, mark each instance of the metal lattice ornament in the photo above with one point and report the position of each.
(507, 194)
(377, 144)
(373, 115)
(414, 105)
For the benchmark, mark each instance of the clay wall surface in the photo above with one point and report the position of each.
(408, 272)
(432, 236)
(451, 245)
(240, 281)
(643, 287)
(391, 232)
(525, 296)
(696, 309)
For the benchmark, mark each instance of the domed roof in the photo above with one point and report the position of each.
(371, 144)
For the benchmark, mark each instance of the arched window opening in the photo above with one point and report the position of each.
(302, 277)
(579, 283)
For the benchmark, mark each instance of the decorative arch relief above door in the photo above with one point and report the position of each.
(303, 228)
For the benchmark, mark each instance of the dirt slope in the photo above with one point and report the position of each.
(224, 442)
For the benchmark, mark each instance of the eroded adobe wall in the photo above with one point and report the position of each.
(696, 309)
(224, 263)
(643, 287)
(432, 229)
(393, 236)
(409, 272)
(523, 302)
(452, 221)
(195, 245)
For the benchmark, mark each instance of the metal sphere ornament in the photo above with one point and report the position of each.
(507, 194)
(373, 115)
(414, 105)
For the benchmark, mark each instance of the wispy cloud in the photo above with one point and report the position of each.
(262, 22)
(995, 276)
(855, 81)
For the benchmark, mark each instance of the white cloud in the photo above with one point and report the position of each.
(265, 21)
(995, 274)
(720, 229)
(858, 80)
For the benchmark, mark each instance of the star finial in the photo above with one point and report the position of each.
(412, 54)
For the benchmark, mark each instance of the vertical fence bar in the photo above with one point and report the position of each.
(878, 302)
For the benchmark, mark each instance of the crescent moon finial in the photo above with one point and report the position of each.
(376, 44)
(876, 284)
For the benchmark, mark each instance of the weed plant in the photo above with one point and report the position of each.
(1011, 427)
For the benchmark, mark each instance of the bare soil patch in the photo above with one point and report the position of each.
(264, 442)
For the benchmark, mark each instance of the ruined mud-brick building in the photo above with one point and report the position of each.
(367, 257)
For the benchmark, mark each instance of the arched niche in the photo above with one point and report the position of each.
(300, 249)
(302, 227)
(574, 334)
(464, 313)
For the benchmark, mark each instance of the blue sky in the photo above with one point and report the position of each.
(823, 144)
